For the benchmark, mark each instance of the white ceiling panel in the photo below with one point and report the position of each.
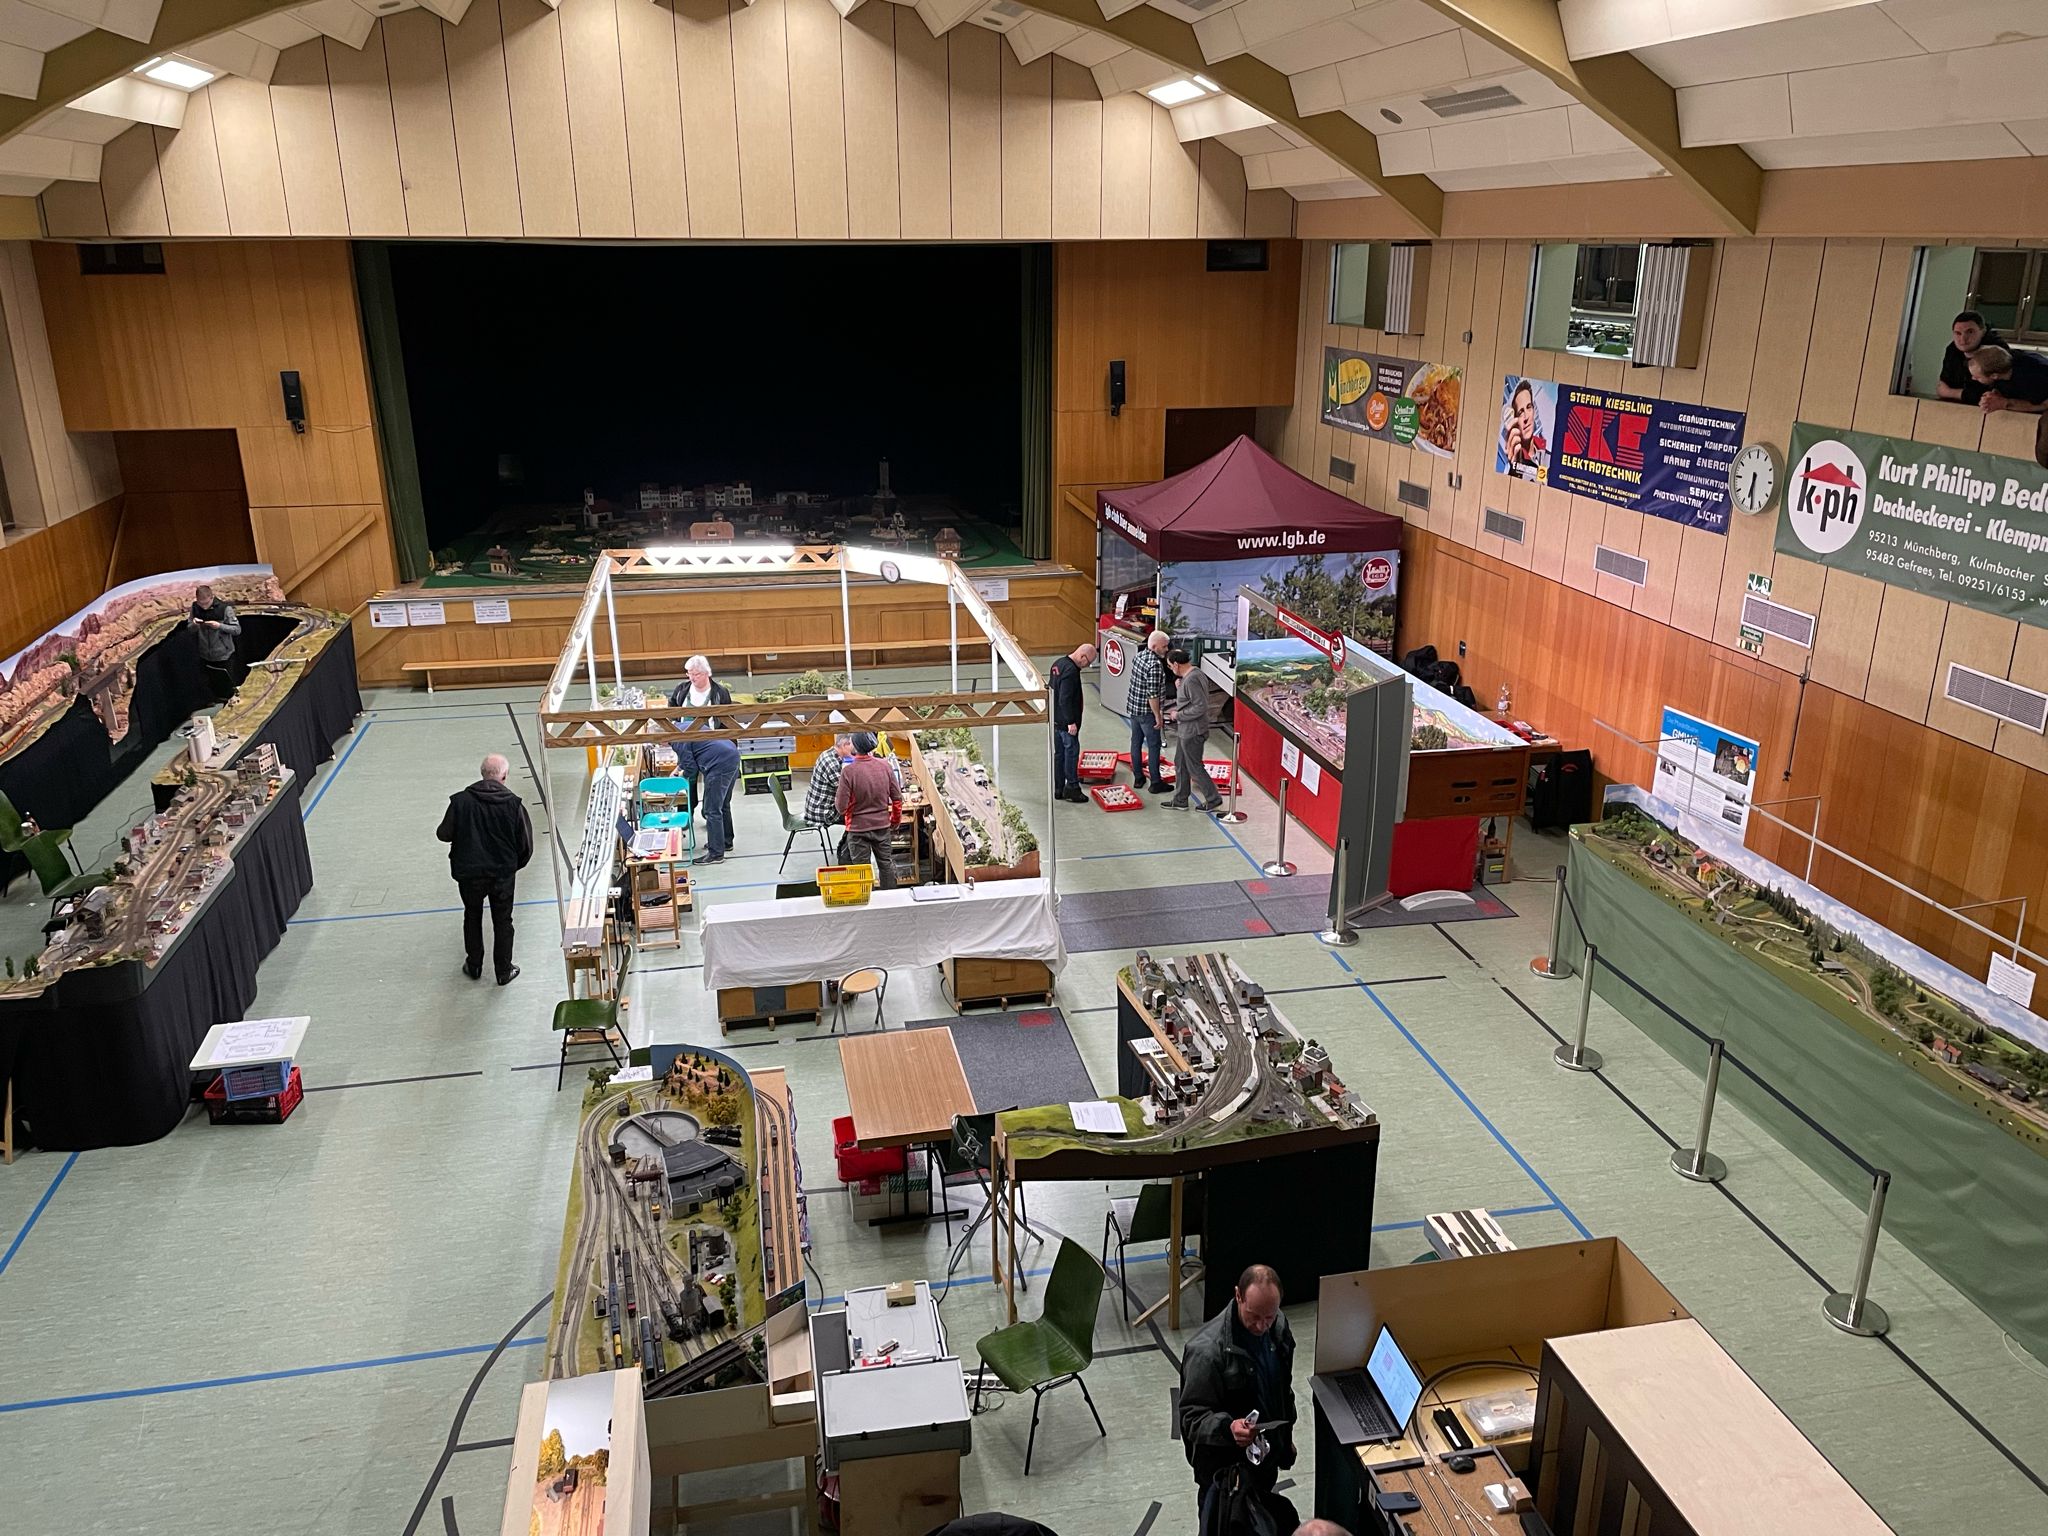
(1038, 34)
(1406, 70)
(83, 127)
(1291, 167)
(1327, 42)
(942, 16)
(131, 99)
(1214, 116)
(1332, 191)
(32, 26)
(1593, 135)
(346, 23)
(1317, 90)
(1219, 36)
(1940, 25)
(30, 154)
(2032, 132)
(1253, 141)
(1736, 112)
(1855, 36)
(1264, 21)
(1492, 178)
(1596, 27)
(280, 29)
(21, 71)
(1528, 92)
(1626, 165)
(1973, 85)
(1091, 49)
(1394, 22)
(452, 11)
(129, 18)
(1974, 141)
(1131, 70)
(24, 186)
(1514, 140)
(235, 53)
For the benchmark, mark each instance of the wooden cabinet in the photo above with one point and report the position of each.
(997, 981)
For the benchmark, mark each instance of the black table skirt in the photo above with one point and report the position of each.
(100, 1059)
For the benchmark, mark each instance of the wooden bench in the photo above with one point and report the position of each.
(872, 650)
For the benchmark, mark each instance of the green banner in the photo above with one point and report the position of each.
(1966, 527)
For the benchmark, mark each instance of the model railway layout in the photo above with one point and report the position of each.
(269, 683)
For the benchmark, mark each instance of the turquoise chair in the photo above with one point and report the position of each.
(1056, 1347)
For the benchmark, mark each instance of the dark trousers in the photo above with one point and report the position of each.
(1148, 761)
(1066, 760)
(497, 889)
(1190, 777)
(860, 845)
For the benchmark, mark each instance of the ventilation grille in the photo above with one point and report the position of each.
(1412, 494)
(1513, 529)
(1632, 569)
(1487, 98)
(1776, 619)
(1342, 469)
(1995, 696)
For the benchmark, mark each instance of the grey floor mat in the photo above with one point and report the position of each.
(1026, 1057)
(1300, 904)
(1218, 912)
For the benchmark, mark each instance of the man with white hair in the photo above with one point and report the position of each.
(1147, 704)
(712, 766)
(490, 839)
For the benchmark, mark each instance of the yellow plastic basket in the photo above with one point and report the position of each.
(846, 885)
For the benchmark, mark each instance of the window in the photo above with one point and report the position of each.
(1582, 298)
(1350, 282)
(145, 259)
(2004, 287)
(2003, 284)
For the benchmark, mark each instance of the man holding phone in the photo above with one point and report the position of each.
(1237, 1397)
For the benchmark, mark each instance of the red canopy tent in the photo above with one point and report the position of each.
(1241, 505)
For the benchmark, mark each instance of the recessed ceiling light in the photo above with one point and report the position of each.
(176, 72)
(1390, 114)
(1175, 93)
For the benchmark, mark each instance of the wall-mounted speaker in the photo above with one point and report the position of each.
(1116, 387)
(294, 399)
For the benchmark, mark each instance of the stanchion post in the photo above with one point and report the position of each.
(1696, 1162)
(1339, 934)
(1551, 967)
(1279, 866)
(1575, 1057)
(1233, 817)
(1854, 1311)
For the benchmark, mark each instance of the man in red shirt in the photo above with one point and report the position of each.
(871, 804)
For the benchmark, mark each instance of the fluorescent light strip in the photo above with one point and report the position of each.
(176, 72)
(1175, 93)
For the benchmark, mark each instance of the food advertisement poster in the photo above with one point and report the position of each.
(1966, 527)
(1705, 771)
(1528, 426)
(1394, 399)
(1664, 458)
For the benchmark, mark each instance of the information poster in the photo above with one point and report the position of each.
(1965, 527)
(1749, 639)
(1704, 770)
(425, 615)
(387, 616)
(1664, 458)
(492, 610)
(1393, 399)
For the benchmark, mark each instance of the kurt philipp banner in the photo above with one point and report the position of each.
(1968, 527)
(1661, 457)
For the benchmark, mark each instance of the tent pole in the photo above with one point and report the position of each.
(845, 618)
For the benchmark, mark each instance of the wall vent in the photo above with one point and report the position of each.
(1413, 495)
(1995, 696)
(1632, 569)
(1507, 526)
(1776, 619)
(1342, 469)
(1485, 98)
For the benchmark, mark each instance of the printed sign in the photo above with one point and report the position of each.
(992, 589)
(494, 610)
(1967, 527)
(2010, 980)
(1528, 426)
(1704, 770)
(1393, 399)
(1330, 645)
(1749, 638)
(1113, 656)
(425, 615)
(1664, 458)
(387, 616)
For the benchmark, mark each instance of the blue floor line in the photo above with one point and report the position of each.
(1513, 1210)
(1146, 853)
(255, 1376)
(1464, 1098)
(362, 917)
(22, 1236)
(335, 772)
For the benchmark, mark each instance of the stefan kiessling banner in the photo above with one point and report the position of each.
(1968, 527)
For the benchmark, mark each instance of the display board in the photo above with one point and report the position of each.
(1663, 458)
(1354, 594)
(1704, 770)
(1393, 399)
(1965, 527)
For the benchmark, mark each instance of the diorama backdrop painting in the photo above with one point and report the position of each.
(1333, 592)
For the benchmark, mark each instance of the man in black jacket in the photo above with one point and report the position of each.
(1065, 682)
(490, 839)
(1242, 1359)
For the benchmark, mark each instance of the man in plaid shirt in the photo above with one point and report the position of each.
(821, 800)
(1147, 706)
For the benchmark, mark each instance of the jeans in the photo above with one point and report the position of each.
(714, 808)
(1066, 760)
(497, 889)
(1189, 776)
(1144, 737)
(875, 844)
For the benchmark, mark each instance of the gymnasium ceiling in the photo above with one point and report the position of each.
(1408, 99)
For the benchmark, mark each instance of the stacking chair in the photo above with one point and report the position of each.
(593, 1021)
(1054, 1348)
(794, 825)
(1147, 1217)
(858, 984)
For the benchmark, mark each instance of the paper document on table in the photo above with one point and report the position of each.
(650, 843)
(252, 1040)
(1097, 1115)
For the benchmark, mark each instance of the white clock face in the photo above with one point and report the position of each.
(1753, 478)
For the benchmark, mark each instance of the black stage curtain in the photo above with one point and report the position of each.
(100, 1059)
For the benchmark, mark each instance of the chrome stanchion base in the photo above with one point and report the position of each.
(1278, 868)
(1711, 1170)
(1874, 1320)
(1233, 818)
(1338, 938)
(1551, 969)
(1587, 1060)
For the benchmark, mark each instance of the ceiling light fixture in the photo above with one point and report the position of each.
(1178, 93)
(179, 73)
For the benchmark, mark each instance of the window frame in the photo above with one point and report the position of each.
(2029, 307)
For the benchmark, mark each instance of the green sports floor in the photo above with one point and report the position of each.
(323, 1328)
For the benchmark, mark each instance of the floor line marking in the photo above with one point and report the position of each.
(255, 1376)
(363, 917)
(1146, 853)
(387, 1082)
(334, 773)
(22, 1236)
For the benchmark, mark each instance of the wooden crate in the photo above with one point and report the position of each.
(764, 1007)
(971, 981)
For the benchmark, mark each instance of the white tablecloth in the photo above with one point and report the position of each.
(776, 943)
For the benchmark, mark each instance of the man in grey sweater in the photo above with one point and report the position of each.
(1194, 712)
(215, 626)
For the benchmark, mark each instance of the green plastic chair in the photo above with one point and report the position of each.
(1146, 1217)
(794, 825)
(592, 1021)
(1055, 1348)
(48, 852)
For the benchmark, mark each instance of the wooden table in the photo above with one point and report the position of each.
(903, 1087)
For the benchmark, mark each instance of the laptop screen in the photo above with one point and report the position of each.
(1395, 1378)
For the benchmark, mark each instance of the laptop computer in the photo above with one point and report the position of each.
(1366, 1407)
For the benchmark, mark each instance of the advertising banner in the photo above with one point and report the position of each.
(1966, 527)
(1664, 458)
(1704, 770)
(1394, 399)
(1528, 426)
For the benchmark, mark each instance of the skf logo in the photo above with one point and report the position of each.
(1828, 490)
(1605, 437)
(1379, 570)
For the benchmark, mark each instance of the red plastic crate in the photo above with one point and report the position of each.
(273, 1110)
(1098, 765)
(1117, 797)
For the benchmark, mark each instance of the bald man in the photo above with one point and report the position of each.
(490, 839)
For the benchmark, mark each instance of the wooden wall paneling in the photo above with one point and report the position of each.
(1026, 147)
(1661, 543)
(252, 177)
(81, 467)
(1268, 213)
(2010, 434)
(194, 200)
(874, 209)
(1842, 641)
(975, 112)
(1454, 323)
(1482, 381)
(1734, 323)
(544, 153)
(1126, 167)
(74, 210)
(653, 108)
(1983, 642)
(1076, 152)
(1877, 408)
(1586, 528)
(818, 118)
(309, 155)
(480, 103)
(424, 118)
(1949, 422)
(924, 113)
(1220, 193)
(132, 186)
(2029, 670)
(592, 77)
(49, 574)
(760, 61)
(711, 147)
(1619, 528)
(364, 134)
(1176, 180)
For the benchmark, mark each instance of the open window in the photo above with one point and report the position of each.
(1380, 285)
(2001, 284)
(1582, 298)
